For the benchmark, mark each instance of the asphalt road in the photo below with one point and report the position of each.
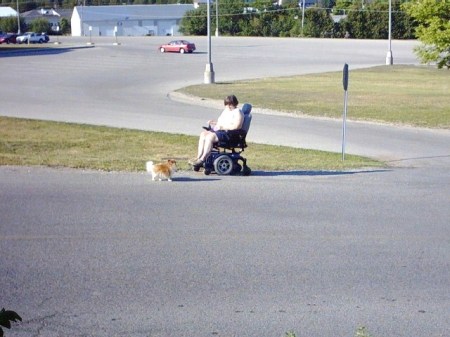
(87, 253)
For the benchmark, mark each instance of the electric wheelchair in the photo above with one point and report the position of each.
(226, 155)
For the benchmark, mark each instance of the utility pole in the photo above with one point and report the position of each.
(217, 18)
(389, 57)
(18, 18)
(209, 70)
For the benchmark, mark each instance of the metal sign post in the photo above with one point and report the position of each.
(344, 114)
(90, 35)
(116, 30)
(57, 35)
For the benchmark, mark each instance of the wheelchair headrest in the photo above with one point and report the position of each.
(246, 109)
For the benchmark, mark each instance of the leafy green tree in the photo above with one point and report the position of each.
(252, 25)
(194, 22)
(318, 23)
(372, 22)
(342, 6)
(355, 24)
(377, 20)
(403, 25)
(433, 30)
(64, 26)
(267, 19)
(40, 25)
(9, 24)
(231, 17)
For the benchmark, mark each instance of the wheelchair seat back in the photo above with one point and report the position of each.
(246, 110)
(237, 137)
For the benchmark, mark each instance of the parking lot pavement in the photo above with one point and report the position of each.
(88, 253)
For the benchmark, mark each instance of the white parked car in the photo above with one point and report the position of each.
(32, 37)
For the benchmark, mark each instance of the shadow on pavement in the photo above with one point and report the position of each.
(35, 51)
(312, 173)
(189, 179)
(418, 158)
(215, 177)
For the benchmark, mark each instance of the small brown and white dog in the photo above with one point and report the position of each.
(163, 170)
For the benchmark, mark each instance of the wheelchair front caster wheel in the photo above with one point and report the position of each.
(246, 171)
(237, 169)
(207, 172)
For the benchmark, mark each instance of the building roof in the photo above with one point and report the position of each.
(133, 12)
(7, 11)
(47, 13)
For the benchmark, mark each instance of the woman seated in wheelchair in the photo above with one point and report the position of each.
(231, 118)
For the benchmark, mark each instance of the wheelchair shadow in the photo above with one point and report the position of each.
(191, 179)
(214, 177)
(314, 173)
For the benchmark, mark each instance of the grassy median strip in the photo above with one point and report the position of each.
(32, 142)
(408, 95)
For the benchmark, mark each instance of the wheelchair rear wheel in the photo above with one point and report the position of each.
(223, 165)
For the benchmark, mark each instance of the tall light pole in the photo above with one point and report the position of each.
(209, 71)
(389, 57)
(217, 18)
(303, 14)
(18, 18)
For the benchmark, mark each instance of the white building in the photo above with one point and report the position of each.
(7, 11)
(128, 20)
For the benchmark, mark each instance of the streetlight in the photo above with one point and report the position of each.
(209, 71)
(389, 58)
(217, 18)
(303, 13)
(18, 18)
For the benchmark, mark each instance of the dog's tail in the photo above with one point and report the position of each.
(149, 166)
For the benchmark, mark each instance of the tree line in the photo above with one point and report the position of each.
(263, 18)
(25, 6)
(9, 24)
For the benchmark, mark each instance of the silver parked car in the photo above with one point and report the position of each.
(31, 37)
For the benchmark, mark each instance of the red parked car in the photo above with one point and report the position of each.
(178, 46)
(8, 38)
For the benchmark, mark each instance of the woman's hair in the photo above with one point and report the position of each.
(231, 100)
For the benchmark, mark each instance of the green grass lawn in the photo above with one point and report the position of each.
(408, 95)
(31, 142)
